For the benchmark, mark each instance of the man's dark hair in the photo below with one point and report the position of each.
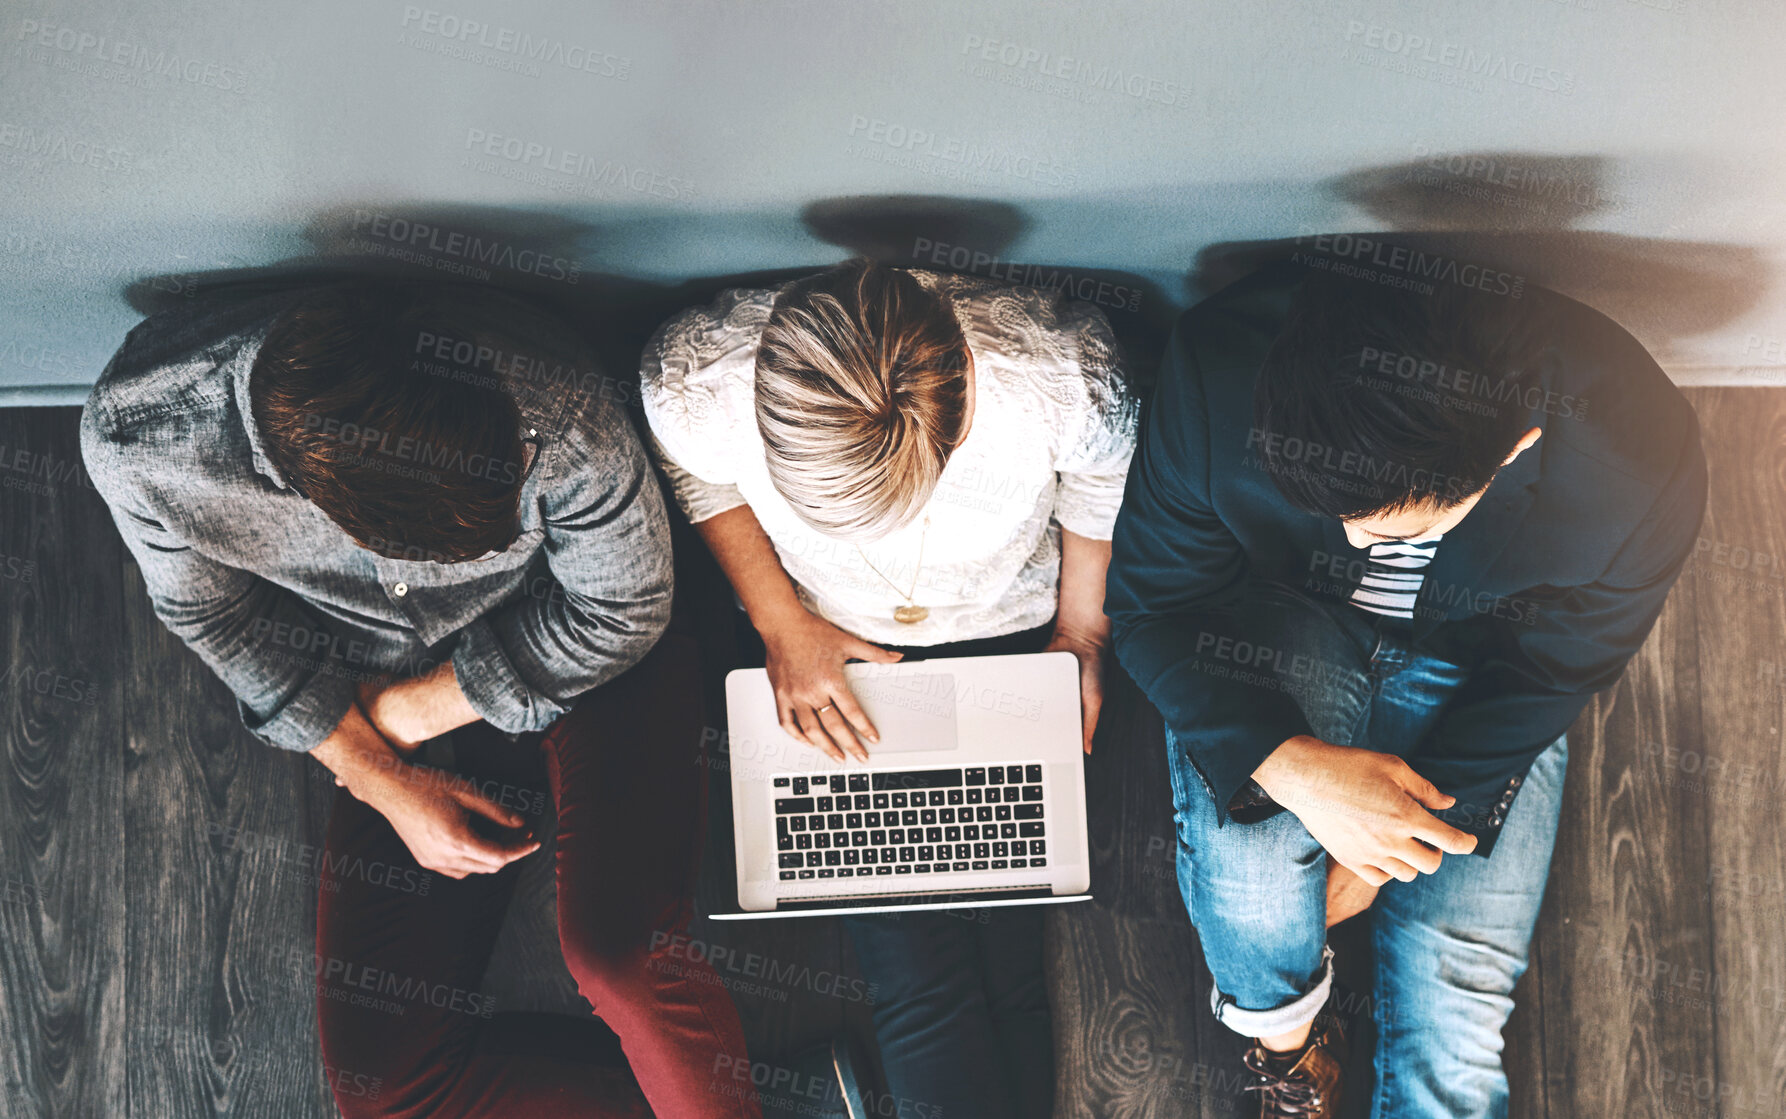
(1375, 400)
(411, 465)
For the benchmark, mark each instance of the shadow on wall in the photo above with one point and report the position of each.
(541, 255)
(1503, 221)
(1499, 220)
(972, 237)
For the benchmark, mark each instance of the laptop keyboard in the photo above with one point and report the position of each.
(885, 823)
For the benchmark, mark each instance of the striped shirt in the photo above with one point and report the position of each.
(1392, 582)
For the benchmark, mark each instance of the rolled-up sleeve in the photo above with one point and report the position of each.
(523, 665)
(1099, 440)
(278, 656)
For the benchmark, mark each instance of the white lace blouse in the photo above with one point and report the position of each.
(1053, 427)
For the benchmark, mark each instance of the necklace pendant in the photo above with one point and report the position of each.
(910, 615)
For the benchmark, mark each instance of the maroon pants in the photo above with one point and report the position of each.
(401, 952)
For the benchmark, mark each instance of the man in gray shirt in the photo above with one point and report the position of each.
(382, 513)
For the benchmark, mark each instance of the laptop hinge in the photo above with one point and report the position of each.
(914, 897)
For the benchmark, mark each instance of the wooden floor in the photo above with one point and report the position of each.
(156, 913)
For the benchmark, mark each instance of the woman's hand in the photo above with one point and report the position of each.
(812, 699)
(1092, 652)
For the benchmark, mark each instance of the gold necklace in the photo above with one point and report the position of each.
(911, 613)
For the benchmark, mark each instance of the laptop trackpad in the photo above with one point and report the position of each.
(913, 711)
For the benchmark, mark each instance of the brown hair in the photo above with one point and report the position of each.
(861, 394)
(409, 464)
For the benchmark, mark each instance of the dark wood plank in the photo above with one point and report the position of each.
(1740, 773)
(1524, 1037)
(62, 841)
(1626, 892)
(222, 858)
(1130, 1007)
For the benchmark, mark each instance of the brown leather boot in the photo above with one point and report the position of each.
(1305, 1083)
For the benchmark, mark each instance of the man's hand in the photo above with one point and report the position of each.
(1347, 894)
(431, 812)
(806, 655)
(411, 710)
(428, 808)
(1093, 652)
(1369, 810)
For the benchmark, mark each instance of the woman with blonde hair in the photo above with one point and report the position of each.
(896, 464)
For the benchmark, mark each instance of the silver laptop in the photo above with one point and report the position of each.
(974, 796)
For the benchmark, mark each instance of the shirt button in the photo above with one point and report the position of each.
(1495, 820)
(400, 589)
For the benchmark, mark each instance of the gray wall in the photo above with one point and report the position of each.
(631, 155)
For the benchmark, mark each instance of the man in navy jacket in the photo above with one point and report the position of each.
(1379, 547)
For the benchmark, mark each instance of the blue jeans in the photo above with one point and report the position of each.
(1449, 945)
(961, 1011)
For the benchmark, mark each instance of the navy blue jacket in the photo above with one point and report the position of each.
(1544, 591)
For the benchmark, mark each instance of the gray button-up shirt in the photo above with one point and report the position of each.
(291, 613)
